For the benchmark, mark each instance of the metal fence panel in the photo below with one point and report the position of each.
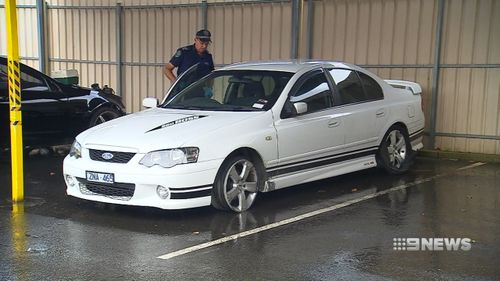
(397, 38)
(469, 98)
(250, 32)
(27, 29)
(375, 32)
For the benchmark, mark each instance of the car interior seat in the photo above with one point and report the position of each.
(251, 93)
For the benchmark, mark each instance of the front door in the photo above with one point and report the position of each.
(306, 140)
(43, 109)
(193, 74)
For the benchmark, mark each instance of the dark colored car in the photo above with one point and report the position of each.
(54, 113)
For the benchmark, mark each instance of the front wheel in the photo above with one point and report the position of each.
(236, 184)
(395, 153)
(103, 115)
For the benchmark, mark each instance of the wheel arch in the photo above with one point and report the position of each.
(397, 123)
(251, 153)
(105, 104)
(408, 161)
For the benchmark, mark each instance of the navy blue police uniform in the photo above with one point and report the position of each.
(187, 56)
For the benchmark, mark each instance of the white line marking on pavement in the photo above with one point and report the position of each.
(471, 166)
(301, 217)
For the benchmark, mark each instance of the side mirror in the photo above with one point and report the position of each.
(150, 102)
(300, 107)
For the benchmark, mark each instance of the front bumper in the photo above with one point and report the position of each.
(189, 185)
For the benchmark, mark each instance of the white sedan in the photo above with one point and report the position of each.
(244, 129)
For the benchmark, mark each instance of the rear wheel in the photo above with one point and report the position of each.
(395, 153)
(103, 115)
(236, 184)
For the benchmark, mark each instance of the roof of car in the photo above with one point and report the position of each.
(286, 65)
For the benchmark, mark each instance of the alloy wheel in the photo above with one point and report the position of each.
(240, 185)
(396, 148)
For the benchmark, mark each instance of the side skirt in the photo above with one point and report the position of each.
(314, 174)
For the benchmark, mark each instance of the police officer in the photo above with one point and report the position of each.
(188, 56)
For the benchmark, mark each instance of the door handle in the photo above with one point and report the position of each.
(380, 113)
(333, 123)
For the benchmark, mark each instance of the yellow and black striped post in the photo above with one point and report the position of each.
(16, 125)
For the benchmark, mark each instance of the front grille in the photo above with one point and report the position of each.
(118, 157)
(117, 189)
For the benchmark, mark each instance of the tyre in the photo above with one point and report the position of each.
(103, 115)
(395, 154)
(237, 184)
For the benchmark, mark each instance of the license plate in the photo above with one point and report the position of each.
(100, 177)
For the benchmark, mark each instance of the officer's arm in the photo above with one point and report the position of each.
(212, 68)
(168, 70)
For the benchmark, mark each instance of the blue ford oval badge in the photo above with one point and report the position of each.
(107, 156)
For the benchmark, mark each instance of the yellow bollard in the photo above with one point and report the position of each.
(18, 226)
(16, 125)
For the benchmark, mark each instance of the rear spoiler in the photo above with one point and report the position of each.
(406, 85)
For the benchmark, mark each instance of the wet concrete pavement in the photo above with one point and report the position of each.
(55, 237)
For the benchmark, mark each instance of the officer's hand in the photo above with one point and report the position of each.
(207, 92)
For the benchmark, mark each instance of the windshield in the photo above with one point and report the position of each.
(232, 90)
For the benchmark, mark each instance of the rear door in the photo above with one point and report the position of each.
(362, 114)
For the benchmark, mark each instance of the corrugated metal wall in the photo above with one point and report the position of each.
(393, 38)
(151, 36)
(469, 98)
(396, 40)
(250, 31)
(27, 29)
(84, 36)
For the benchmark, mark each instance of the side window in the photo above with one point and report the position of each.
(32, 83)
(315, 92)
(28, 81)
(3, 73)
(373, 90)
(348, 86)
(3, 81)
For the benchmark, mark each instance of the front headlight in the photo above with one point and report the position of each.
(170, 157)
(76, 150)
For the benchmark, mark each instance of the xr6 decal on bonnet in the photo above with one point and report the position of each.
(178, 121)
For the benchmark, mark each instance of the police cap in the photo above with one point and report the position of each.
(204, 35)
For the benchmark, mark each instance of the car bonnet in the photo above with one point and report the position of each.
(157, 129)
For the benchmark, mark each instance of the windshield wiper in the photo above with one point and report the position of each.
(189, 107)
(242, 108)
(213, 108)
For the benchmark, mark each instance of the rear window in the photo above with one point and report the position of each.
(349, 87)
(355, 87)
(373, 90)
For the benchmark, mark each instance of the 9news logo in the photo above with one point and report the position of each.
(431, 244)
